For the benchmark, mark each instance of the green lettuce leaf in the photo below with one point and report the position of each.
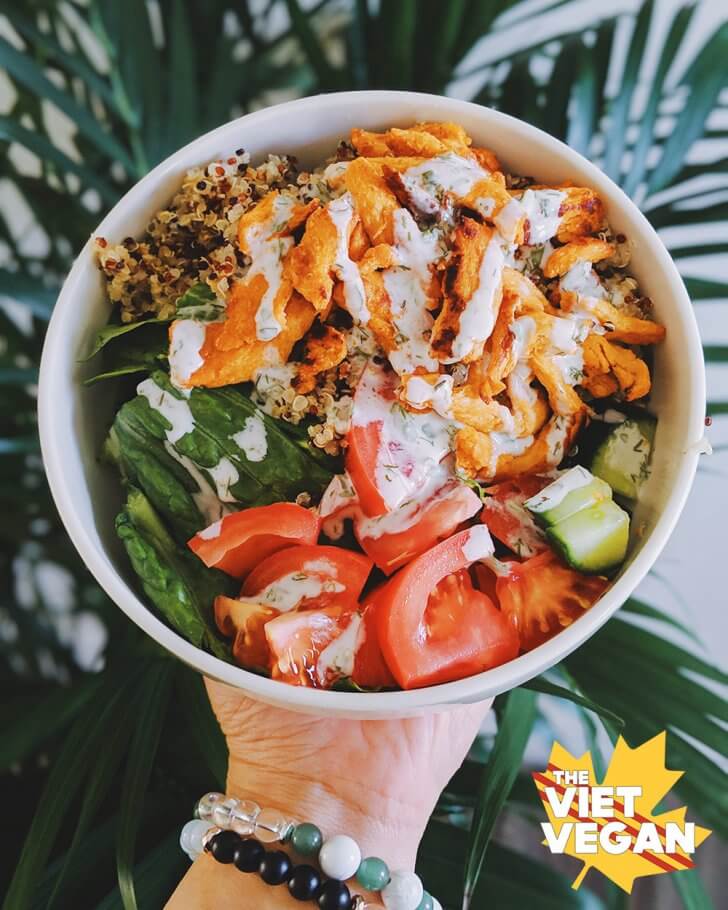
(173, 474)
(177, 583)
(200, 303)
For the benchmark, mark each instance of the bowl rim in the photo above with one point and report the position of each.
(469, 689)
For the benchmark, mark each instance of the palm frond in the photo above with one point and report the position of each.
(144, 92)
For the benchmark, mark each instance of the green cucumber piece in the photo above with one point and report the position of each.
(593, 540)
(623, 459)
(574, 490)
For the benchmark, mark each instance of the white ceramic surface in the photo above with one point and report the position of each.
(74, 419)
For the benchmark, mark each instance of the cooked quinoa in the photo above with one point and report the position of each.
(193, 239)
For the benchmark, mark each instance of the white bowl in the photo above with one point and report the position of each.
(74, 419)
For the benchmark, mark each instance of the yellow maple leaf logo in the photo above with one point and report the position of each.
(609, 825)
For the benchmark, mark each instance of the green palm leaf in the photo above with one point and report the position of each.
(157, 90)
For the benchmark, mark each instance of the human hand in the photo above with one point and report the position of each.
(375, 780)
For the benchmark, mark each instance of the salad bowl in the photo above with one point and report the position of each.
(74, 418)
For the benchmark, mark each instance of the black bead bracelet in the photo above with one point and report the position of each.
(276, 868)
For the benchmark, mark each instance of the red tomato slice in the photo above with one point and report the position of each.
(370, 668)
(430, 636)
(308, 576)
(245, 624)
(541, 596)
(391, 452)
(396, 538)
(239, 541)
(362, 455)
(298, 640)
(507, 518)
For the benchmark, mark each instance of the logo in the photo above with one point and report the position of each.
(613, 825)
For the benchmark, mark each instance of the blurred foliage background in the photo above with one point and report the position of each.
(93, 93)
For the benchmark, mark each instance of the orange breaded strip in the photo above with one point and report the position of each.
(325, 348)
(487, 159)
(466, 406)
(264, 211)
(500, 348)
(589, 249)
(231, 366)
(462, 280)
(374, 201)
(358, 242)
(531, 298)
(562, 397)
(247, 295)
(310, 265)
(609, 367)
(242, 304)
(423, 139)
(529, 405)
(474, 451)
(378, 303)
(582, 212)
(487, 189)
(620, 325)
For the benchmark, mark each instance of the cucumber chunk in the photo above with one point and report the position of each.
(593, 540)
(623, 459)
(574, 490)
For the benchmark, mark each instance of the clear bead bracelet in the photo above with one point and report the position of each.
(236, 830)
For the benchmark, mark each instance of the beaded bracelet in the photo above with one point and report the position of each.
(234, 831)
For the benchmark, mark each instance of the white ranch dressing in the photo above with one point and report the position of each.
(206, 499)
(338, 503)
(212, 531)
(252, 438)
(224, 475)
(542, 210)
(175, 410)
(555, 493)
(338, 657)
(478, 318)
(479, 544)
(508, 220)
(505, 444)
(438, 395)
(566, 355)
(581, 279)
(427, 183)
(335, 172)
(287, 593)
(556, 438)
(406, 287)
(339, 494)
(341, 211)
(186, 339)
(267, 253)
(523, 330)
(407, 515)
(518, 383)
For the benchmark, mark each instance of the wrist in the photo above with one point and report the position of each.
(382, 824)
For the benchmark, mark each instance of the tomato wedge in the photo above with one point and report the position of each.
(239, 541)
(362, 456)
(431, 636)
(394, 539)
(392, 453)
(507, 518)
(245, 622)
(370, 668)
(308, 576)
(299, 644)
(541, 596)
